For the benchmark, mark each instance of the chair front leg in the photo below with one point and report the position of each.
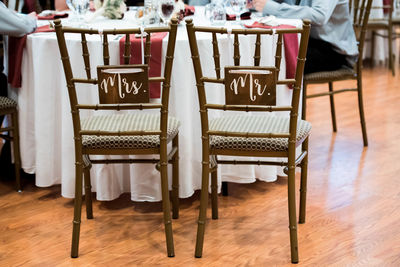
(88, 193)
(175, 179)
(292, 209)
(332, 102)
(203, 199)
(214, 193)
(361, 109)
(76, 224)
(303, 184)
(165, 200)
(17, 155)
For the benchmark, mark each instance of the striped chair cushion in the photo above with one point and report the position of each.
(255, 124)
(126, 122)
(6, 102)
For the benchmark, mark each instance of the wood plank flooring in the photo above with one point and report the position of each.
(353, 207)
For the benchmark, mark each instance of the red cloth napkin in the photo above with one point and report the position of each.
(53, 16)
(155, 59)
(243, 16)
(15, 51)
(386, 3)
(291, 45)
(189, 10)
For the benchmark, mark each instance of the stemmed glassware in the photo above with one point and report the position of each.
(166, 9)
(78, 8)
(237, 7)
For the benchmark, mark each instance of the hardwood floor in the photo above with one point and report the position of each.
(353, 206)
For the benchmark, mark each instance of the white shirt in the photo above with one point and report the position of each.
(15, 24)
(330, 19)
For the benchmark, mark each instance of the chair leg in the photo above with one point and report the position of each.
(372, 48)
(303, 184)
(77, 208)
(88, 192)
(17, 156)
(390, 44)
(175, 179)
(304, 102)
(224, 189)
(203, 202)
(361, 109)
(333, 113)
(292, 210)
(166, 201)
(214, 194)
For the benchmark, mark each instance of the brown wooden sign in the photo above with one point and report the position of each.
(123, 84)
(250, 85)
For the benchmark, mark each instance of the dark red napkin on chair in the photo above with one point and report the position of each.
(386, 3)
(291, 45)
(15, 51)
(155, 59)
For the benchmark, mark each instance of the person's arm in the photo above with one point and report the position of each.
(319, 12)
(60, 5)
(15, 24)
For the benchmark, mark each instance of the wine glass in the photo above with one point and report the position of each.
(237, 7)
(141, 15)
(166, 10)
(78, 7)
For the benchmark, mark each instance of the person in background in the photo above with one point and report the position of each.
(16, 24)
(11, 24)
(332, 42)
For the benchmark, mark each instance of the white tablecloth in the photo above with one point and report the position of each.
(46, 134)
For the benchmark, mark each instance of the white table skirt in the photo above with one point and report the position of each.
(46, 134)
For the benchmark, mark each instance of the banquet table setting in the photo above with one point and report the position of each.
(44, 113)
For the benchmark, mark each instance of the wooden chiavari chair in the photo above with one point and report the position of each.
(251, 135)
(138, 133)
(360, 10)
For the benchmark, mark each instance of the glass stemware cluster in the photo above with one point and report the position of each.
(78, 7)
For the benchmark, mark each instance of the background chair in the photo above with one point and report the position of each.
(136, 133)
(383, 24)
(361, 10)
(251, 135)
(9, 107)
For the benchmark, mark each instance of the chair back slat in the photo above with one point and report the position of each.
(86, 56)
(127, 49)
(257, 51)
(236, 51)
(147, 50)
(106, 51)
(278, 54)
(361, 12)
(216, 55)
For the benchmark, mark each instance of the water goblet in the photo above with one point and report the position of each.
(166, 9)
(78, 8)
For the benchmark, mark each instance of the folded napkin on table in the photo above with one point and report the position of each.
(243, 16)
(155, 59)
(189, 10)
(291, 45)
(52, 16)
(15, 51)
